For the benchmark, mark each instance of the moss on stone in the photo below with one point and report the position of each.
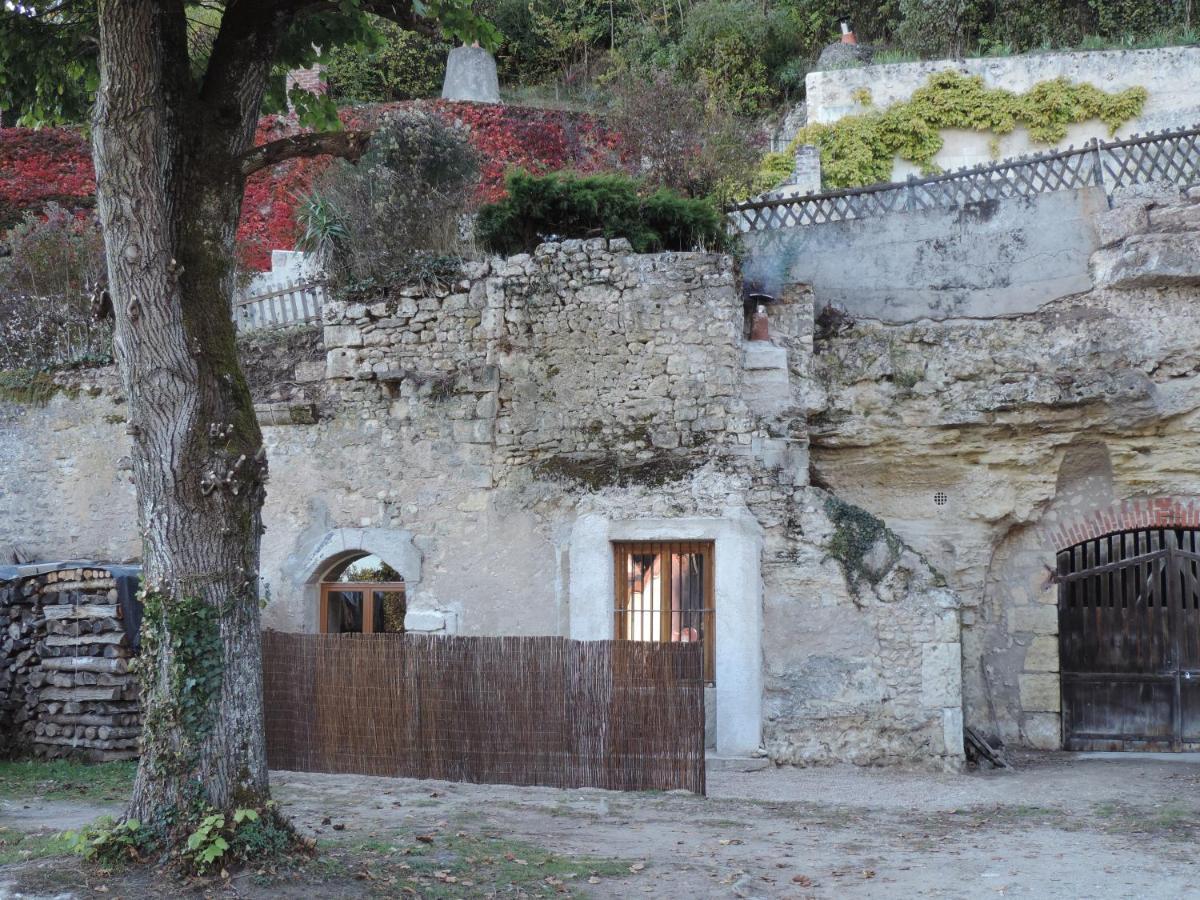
(28, 386)
(855, 533)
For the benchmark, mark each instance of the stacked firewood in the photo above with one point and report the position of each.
(22, 620)
(70, 691)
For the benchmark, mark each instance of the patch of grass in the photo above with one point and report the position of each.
(1176, 821)
(62, 778)
(17, 846)
(27, 386)
(461, 865)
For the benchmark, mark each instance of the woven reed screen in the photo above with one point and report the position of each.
(623, 715)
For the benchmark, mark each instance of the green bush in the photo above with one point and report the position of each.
(111, 843)
(396, 65)
(560, 206)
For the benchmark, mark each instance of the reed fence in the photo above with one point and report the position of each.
(622, 715)
(1168, 156)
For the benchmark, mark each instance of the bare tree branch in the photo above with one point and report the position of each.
(346, 144)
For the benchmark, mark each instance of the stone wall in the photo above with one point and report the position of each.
(66, 488)
(489, 435)
(1169, 74)
(992, 258)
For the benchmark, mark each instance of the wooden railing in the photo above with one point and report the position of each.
(296, 303)
(1168, 156)
(622, 715)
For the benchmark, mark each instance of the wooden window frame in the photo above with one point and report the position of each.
(668, 550)
(367, 588)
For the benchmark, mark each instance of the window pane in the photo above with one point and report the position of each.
(345, 612)
(644, 575)
(389, 611)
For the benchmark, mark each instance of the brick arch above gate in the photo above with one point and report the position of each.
(1127, 515)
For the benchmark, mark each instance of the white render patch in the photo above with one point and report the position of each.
(737, 547)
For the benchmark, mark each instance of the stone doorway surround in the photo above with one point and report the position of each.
(737, 541)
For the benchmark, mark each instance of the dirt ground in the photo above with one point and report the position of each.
(1097, 826)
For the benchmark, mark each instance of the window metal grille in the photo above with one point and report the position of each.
(664, 593)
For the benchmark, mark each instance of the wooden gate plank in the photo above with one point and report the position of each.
(1129, 633)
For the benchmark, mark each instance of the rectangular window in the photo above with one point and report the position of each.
(343, 611)
(664, 592)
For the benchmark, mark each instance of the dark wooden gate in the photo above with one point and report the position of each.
(1129, 637)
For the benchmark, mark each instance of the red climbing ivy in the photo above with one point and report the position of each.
(54, 164)
(41, 167)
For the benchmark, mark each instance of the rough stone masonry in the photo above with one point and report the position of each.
(488, 434)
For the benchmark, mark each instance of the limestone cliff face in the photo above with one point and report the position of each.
(972, 438)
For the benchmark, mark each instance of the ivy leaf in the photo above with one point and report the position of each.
(316, 111)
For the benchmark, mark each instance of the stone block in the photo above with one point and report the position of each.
(1040, 693)
(1042, 655)
(310, 370)
(341, 364)
(474, 431)
(941, 675)
(946, 626)
(1125, 219)
(765, 355)
(343, 336)
(471, 75)
(952, 730)
(1184, 217)
(1036, 619)
(1042, 731)
(1156, 260)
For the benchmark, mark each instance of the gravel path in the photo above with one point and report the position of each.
(1061, 826)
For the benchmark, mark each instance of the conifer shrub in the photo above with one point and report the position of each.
(561, 206)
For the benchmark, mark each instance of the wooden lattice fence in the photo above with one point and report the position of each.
(296, 303)
(622, 715)
(1170, 156)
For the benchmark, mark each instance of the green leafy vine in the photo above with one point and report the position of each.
(187, 631)
(855, 534)
(859, 150)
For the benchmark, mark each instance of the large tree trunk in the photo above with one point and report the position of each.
(169, 193)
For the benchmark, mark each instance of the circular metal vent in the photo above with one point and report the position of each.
(940, 498)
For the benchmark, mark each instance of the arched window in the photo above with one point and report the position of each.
(362, 596)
